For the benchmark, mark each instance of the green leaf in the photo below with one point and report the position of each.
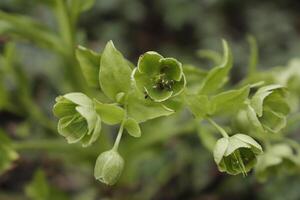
(132, 127)
(109, 113)
(142, 109)
(26, 28)
(114, 72)
(38, 188)
(199, 105)
(217, 77)
(229, 101)
(90, 64)
(7, 153)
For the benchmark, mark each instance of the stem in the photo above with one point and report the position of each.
(219, 128)
(119, 136)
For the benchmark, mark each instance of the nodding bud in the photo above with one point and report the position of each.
(109, 167)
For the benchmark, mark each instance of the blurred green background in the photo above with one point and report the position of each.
(169, 161)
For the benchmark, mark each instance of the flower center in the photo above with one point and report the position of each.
(162, 83)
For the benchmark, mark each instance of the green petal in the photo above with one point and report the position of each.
(171, 67)
(63, 107)
(235, 144)
(178, 87)
(273, 121)
(249, 140)
(142, 80)
(87, 140)
(158, 95)
(220, 149)
(79, 99)
(149, 63)
(73, 128)
(90, 116)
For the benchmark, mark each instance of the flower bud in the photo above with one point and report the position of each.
(109, 167)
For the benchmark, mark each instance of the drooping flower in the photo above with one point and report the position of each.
(78, 120)
(268, 108)
(158, 77)
(236, 154)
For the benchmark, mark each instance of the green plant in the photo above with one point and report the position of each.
(160, 86)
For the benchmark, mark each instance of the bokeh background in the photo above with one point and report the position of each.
(169, 161)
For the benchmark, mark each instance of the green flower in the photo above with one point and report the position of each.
(78, 120)
(236, 154)
(109, 167)
(158, 77)
(268, 108)
(276, 160)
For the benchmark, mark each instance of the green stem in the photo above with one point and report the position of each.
(219, 128)
(119, 136)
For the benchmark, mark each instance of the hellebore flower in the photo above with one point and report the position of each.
(236, 154)
(78, 120)
(268, 108)
(158, 77)
(109, 167)
(276, 160)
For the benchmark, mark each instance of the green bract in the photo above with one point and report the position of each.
(236, 154)
(109, 167)
(158, 77)
(268, 108)
(78, 120)
(277, 159)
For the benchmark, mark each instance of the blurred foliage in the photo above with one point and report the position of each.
(37, 63)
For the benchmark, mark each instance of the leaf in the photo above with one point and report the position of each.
(90, 64)
(132, 127)
(199, 105)
(114, 72)
(38, 188)
(229, 101)
(142, 109)
(7, 153)
(110, 113)
(216, 77)
(26, 28)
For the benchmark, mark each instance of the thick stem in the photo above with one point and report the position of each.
(219, 128)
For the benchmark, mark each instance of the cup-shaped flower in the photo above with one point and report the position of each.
(158, 77)
(278, 159)
(268, 108)
(78, 120)
(109, 167)
(236, 154)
